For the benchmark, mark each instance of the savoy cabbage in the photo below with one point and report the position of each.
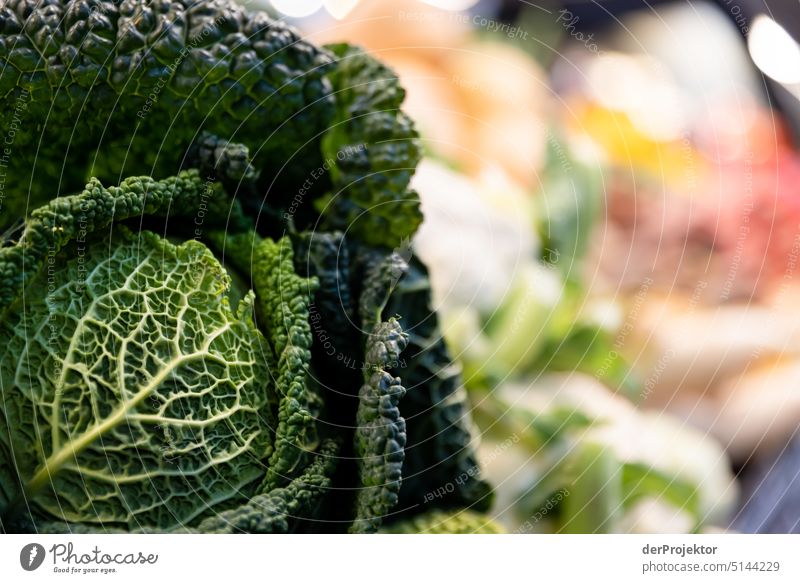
(226, 340)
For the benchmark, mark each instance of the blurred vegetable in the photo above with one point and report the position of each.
(607, 460)
(558, 448)
(478, 101)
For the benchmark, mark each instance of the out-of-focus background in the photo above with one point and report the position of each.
(612, 221)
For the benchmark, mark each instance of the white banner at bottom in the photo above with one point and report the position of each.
(418, 558)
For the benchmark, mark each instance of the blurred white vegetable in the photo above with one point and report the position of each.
(475, 237)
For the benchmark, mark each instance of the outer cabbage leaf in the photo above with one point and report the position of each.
(244, 98)
(243, 422)
(327, 256)
(443, 522)
(281, 510)
(133, 395)
(66, 219)
(364, 346)
(338, 336)
(140, 80)
(283, 299)
(373, 150)
(439, 455)
(380, 432)
(293, 508)
(441, 462)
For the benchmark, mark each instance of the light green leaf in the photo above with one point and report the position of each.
(133, 394)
